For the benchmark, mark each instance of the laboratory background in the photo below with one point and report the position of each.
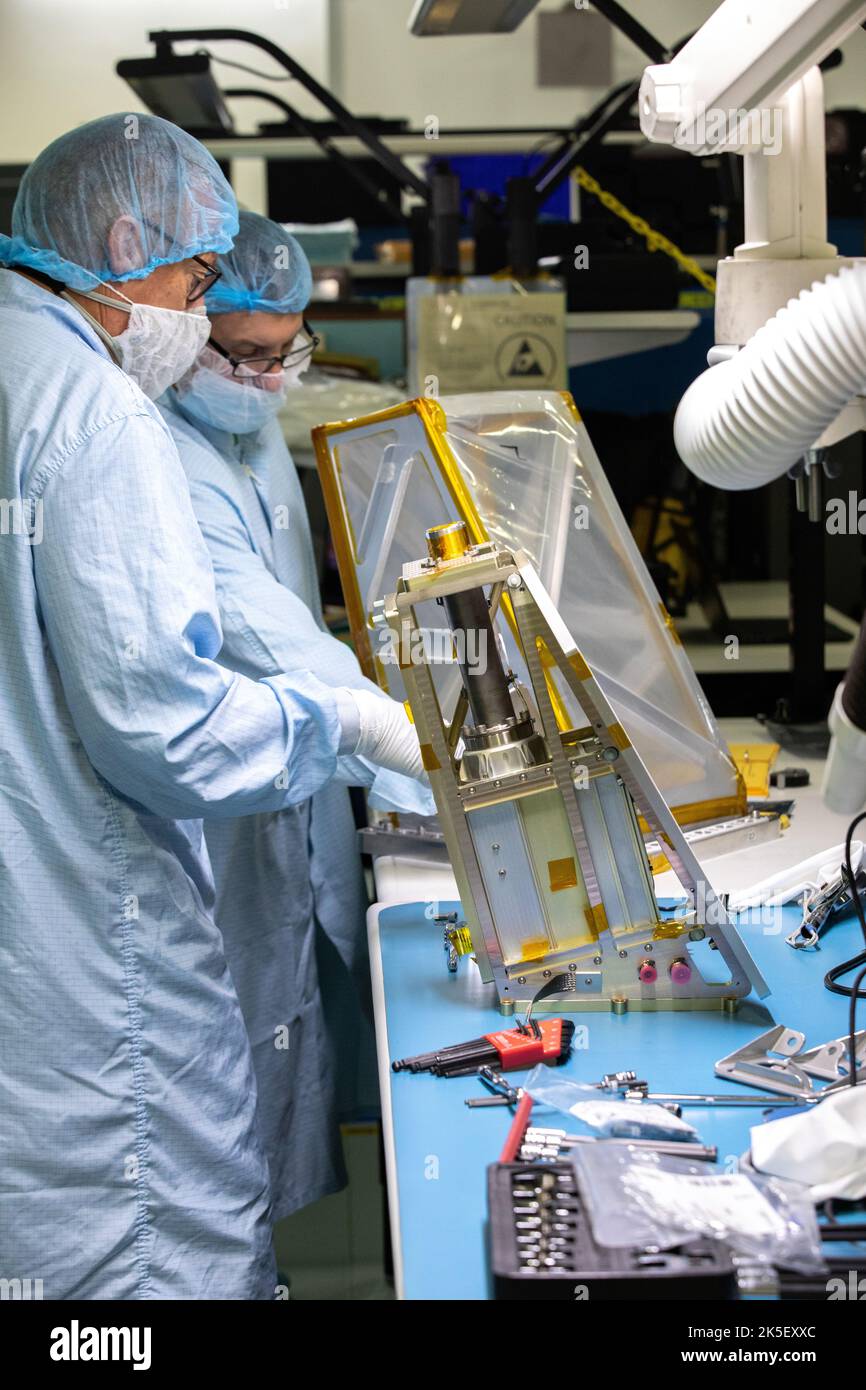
(433, 705)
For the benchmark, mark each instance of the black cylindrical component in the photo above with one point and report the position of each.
(806, 589)
(419, 233)
(445, 224)
(486, 682)
(488, 233)
(522, 205)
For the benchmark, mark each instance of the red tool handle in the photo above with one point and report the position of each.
(518, 1050)
(519, 1126)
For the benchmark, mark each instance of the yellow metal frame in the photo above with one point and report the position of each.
(434, 424)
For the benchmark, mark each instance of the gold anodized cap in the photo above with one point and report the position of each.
(449, 541)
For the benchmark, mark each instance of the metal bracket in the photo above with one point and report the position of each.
(766, 1062)
(776, 1062)
(824, 1061)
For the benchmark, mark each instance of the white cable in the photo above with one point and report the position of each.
(748, 420)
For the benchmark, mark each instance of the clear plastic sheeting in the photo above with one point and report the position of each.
(539, 485)
(324, 395)
(519, 468)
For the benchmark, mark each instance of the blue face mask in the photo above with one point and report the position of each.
(212, 395)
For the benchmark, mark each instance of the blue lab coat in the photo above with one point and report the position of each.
(130, 1162)
(290, 893)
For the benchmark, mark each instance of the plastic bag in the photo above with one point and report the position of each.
(638, 1198)
(608, 1115)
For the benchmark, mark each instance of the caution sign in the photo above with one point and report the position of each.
(525, 356)
(489, 342)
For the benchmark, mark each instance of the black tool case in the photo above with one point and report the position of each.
(534, 1210)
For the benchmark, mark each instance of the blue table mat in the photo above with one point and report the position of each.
(443, 1148)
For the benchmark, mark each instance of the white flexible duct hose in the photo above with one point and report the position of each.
(748, 420)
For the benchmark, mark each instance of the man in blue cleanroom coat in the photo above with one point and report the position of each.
(283, 879)
(130, 1162)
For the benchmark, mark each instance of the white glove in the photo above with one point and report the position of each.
(386, 735)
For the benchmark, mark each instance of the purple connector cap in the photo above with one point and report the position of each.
(681, 972)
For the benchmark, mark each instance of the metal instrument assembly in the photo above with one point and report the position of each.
(547, 826)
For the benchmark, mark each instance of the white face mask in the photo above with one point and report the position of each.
(239, 404)
(158, 345)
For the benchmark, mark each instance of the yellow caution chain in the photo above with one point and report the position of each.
(655, 240)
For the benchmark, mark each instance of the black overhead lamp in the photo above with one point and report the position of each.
(438, 18)
(180, 88)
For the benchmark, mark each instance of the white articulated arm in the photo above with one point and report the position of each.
(745, 57)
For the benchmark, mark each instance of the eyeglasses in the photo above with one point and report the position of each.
(260, 366)
(205, 282)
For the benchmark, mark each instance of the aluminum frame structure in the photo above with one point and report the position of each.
(545, 832)
(517, 467)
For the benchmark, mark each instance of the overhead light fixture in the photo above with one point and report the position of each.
(180, 88)
(432, 18)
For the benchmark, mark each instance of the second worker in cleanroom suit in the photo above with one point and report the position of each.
(130, 1161)
(283, 879)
